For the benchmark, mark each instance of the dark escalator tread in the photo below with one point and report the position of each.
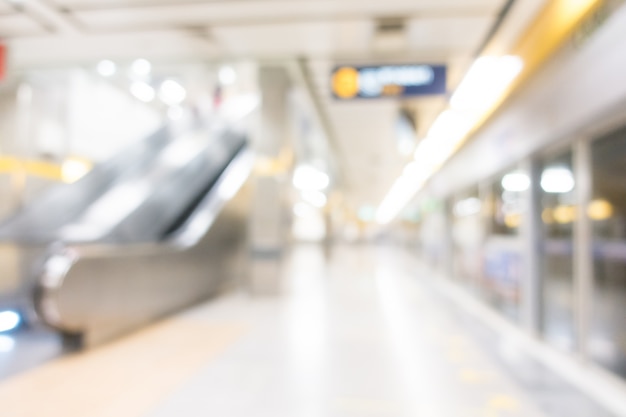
(198, 198)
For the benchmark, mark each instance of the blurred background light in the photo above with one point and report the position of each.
(141, 67)
(600, 210)
(467, 207)
(9, 320)
(106, 68)
(142, 91)
(306, 177)
(516, 182)
(485, 82)
(227, 75)
(557, 180)
(172, 93)
(73, 169)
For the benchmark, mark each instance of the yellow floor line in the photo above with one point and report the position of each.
(126, 378)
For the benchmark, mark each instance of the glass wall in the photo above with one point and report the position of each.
(467, 238)
(504, 207)
(607, 212)
(558, 213)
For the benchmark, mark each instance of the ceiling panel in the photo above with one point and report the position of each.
(6, 8)
(269, 11)
(18, 25)
(59, 50)
(464, 33)
(295, 39)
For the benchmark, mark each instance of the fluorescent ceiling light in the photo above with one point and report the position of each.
(451, 124)
(141, 66)
(106, 68)
(515, 182)
(401, 192)
(142, 91)
(9, 320)
(485, 82)
(557, 180)
(172, 93)
(305, 177)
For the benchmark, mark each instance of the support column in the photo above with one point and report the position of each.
(532, 240)
(267, 232)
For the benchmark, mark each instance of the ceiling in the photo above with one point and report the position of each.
(322, 32)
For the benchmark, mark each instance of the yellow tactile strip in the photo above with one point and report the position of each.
(126, 378)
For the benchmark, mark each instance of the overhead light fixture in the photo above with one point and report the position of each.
(557, 180)
(485, 82)
(9, 320)
(306, 177)
(451, 124)
(401, 192)
(142, 91)
(515, 182)
(172, 93)
(106, 68)
(141, 67)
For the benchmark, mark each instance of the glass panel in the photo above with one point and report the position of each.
(504, 206)
(607, 211)
(558, 215)
(467, 238)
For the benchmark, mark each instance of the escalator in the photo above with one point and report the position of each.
(157, 228)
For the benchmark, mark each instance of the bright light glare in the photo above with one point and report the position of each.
(467, 207)
(74, 169)
(106, 68)
(9, 320)
(600, 210)
(485, 82)
(238, 107)
(314, 198)
(305, 177)
(452, 124)
(398, 196)
(172, 93)
(141, 66)
(516, 182)
(7, 343)
(227, 75)
(557, 180)
(142, 91)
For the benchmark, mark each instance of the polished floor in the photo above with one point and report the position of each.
(352, 331)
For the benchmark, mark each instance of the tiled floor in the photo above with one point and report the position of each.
(358, 331)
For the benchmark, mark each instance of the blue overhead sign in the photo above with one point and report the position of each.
(388, 81)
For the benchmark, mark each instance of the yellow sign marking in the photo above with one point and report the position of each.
(346, 82)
